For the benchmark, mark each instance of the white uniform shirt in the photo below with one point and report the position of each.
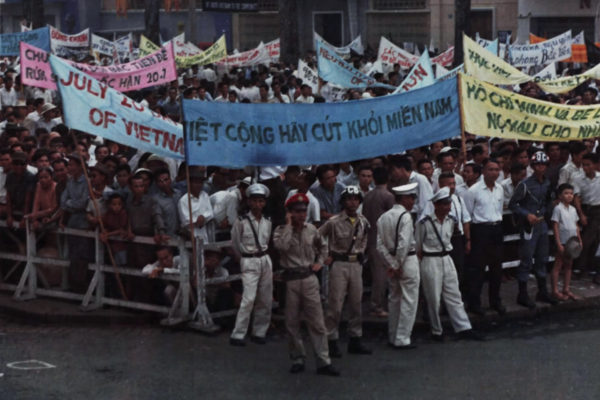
(588, 189)
(313, 213)
(200, 206)
(423, 205)
(458, 210)
(425, 238)
(569, 174)
(567, 221)
(386, 235)
(242, 237)
(485, 205)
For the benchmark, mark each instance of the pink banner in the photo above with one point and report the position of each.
(445, 59)
(155, 69)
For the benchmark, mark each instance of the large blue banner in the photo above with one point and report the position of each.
(236, 135)
(9, 42)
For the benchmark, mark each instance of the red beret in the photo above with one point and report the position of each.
(298, 198)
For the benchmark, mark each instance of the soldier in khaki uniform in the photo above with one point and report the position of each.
(346, 233)
(396, 244)
(302, 254)
(250, 237)
(433, 238)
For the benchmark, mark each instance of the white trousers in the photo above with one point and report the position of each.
(403, 301)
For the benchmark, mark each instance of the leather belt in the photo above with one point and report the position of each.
(488, 223)
(411, 253)
(293, 274)
(255, 255)
(347, 257)
(436, 254)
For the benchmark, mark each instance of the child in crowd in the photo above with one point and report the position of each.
(45, 203)
(116, 224)
(564, 224)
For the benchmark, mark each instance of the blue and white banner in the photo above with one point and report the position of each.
(94, 107)
(9, 42)
(421, 75)
(333, 68)
(237, 135)
(489, 45)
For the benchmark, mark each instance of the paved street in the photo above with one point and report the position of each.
(554, 356)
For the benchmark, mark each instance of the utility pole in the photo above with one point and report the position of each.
(290, 41)
(191, 24)
(462, 23)
(152, 20)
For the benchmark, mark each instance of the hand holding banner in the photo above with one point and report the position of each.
(95, 108)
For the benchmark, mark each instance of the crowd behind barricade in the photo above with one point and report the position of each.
(433, 217)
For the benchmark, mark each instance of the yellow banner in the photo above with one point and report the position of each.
(485, 66)
(491, 111)
(214, 53)
(147, 47)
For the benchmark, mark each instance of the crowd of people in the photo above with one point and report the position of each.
(429, 220)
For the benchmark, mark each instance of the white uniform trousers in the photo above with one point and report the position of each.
(345, 278)
(303, 301)
(403, 301)
(439, 280)
(257, 278)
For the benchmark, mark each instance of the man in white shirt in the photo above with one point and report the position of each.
(202, 212)
(401, 173)
(518, 172)
(306, 95)
(8, 94)
(446, 163)
(484, 201)
(572, 169)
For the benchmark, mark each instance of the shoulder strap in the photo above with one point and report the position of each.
(354, 236)
(393, 252)
(437, 233)
(258, 246)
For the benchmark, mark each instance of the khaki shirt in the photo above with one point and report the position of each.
(426, 239)
(242, 237)
(299, 249)
(386, 235)
(338, 230)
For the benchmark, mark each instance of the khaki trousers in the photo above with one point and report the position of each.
(303, 300)
(257, 278)
(345, 278)
(439, 280)
(403, 301)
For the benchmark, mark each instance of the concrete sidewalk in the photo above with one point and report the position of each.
(56, 311)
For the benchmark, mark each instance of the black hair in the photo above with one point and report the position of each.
(563, 187)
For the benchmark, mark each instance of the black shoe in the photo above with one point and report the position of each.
(296, 368)
(437, 338)
(334, 350)
(258, 340)
(470, 334)
(355, 346)
(237, 342)
(499, 308)
(402, 347)
(476, 310)
(328, 370)
(544, 297)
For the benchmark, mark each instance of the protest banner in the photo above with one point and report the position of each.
(542, 53)
(9, 42)
(484, 66)
(146, 46)
(102, 46)
(420, 75)
(344, 51)
(274, 49)
(124, 47)
(391, 54)
(236, 135)
(333, 69)
(258, 55)
(93, 107)
(442, 74)
(578, 49)
(489, 45)
(66, 46)
(445, 59)
(308, 76)
(155, 69)
(494, 112)
(547, 74)
(214, 53)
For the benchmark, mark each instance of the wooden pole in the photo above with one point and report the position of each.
(462, 118)
(97, 210)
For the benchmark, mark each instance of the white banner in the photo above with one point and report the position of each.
(390, 54)
(308, 76)
(102, 46)
(543, 53)
(124, 47)
(420, 75)
(344, 52)
(67, 46)
(547, 73)
(256, 56)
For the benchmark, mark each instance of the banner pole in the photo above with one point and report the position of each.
(462, 118)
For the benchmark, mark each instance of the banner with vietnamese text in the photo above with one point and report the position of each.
(9, 42)
(67, 46)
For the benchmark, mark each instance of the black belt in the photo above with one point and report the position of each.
(488, 223)
(411, 253)
(294, 274)
(255, 255)
(347, 257)
(436, 254)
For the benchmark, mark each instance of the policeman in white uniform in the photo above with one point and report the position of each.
(396, 244)
(250, 237)
(433, 237)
